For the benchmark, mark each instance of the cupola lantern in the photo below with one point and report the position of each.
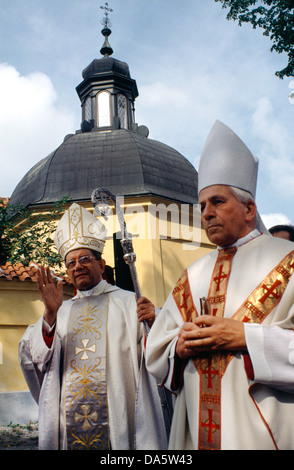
(107, 92)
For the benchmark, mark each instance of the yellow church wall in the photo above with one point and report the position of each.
(175, 259)
(20, 302)
(20, 306)
(11, 377)
(165, 262)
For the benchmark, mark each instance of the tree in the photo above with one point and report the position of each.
(26, 236)
(275, 17)
(6, 226)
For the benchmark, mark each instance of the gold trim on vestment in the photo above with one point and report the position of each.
(86, 409)
(268, 294)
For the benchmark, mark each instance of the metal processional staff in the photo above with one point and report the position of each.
(100, 199)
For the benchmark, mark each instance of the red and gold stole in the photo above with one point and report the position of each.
(212, 366)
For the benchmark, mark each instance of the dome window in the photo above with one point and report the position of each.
(88, 109)
(104, 109)
(122, 110)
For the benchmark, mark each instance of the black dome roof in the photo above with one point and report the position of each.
(121, 160)
(106, 64)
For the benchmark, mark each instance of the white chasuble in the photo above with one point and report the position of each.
(242, 414)
(92, 385)
(85, 375)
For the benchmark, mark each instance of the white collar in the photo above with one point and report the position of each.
(255, 233)
(101, 287)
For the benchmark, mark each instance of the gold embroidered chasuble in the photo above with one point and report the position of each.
(85, 375)
(71, 386)
(212, 366)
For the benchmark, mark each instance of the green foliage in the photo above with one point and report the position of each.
(26, 235)
(6, 226)
(275, 17)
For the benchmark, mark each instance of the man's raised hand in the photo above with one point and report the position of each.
(52, 293)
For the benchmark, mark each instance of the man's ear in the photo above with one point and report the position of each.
(250, 210)
(102, 263)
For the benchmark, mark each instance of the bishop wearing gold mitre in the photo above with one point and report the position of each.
(84, 359)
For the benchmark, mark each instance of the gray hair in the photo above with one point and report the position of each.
(244, 196)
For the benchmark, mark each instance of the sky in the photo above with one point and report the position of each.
(192, 66)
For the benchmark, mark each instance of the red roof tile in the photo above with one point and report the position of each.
(19, 272)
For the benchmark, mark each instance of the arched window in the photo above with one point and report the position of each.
(122, 110)
(104, 109)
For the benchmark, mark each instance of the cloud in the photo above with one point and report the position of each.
(291, 94)
(181, 116)
(270, 220)
(276, 148)
(31, 123)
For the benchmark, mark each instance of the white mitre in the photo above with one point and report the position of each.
(78, 228)
(226, 160)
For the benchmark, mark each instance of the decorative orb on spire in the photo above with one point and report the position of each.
(106, 50)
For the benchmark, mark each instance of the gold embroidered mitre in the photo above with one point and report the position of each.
(78, 228)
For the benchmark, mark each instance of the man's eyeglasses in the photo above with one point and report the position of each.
(83, 261)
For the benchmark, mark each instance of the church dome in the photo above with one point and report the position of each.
(123, 161)
(105, 65)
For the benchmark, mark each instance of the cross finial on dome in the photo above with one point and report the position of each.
(105, 21)
(106, 49)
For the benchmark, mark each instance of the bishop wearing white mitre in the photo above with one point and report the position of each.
(223, 342)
